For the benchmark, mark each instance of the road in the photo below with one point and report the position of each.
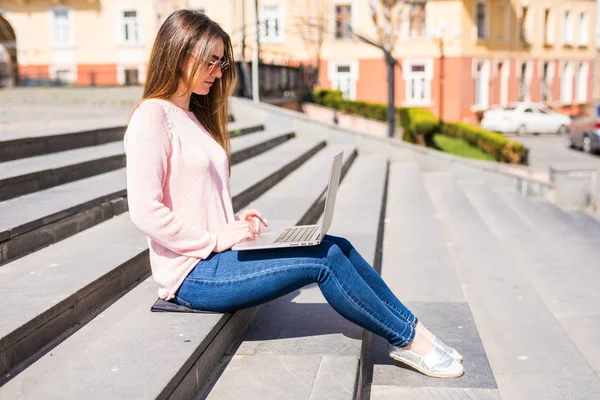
(546, 151)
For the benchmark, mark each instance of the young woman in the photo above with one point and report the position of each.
(178, 170)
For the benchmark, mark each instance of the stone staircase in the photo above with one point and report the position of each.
(507, 280)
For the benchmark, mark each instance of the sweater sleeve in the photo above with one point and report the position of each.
(148, 148)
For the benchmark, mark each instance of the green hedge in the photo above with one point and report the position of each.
(501, 148)
(420, 126)
(333, 99)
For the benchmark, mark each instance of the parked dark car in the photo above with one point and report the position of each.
(584, 130)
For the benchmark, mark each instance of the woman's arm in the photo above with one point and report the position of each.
(148, 146)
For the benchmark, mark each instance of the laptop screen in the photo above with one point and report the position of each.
(334, 182)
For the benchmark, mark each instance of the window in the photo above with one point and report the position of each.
(568, 26)
(344, 79)
(130, 27)
(417, 19)
(481, 21)
(343, 21)
(482, 81)
(64, 75)
(524, 81)
(582, 83)
(546, 82)
(418, 82)
(566, 84)
(523, 25)
(131, 77)
(583, 29)
(62, 32)
(272, 24)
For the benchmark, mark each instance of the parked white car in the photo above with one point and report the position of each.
(523, 118)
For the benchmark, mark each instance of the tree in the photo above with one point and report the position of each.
(312, 26)
(387, 18)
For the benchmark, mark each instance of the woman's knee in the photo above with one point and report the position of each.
(343, 243)
(336, 258)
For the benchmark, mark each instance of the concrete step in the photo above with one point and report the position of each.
(225, 326)
(248, 146)
(427, 393)
(416, 259)
(419, 269)
(28, 175)
(507, 308)
(586, 224)
(279, 162)
(129, 352)
(298, 347)
(38, 219)
(285, 200)
(463, 172)
(564, 273)
(21, 146)
(29, 146)
(51, 290)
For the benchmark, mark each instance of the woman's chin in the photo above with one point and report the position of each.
(202, 91)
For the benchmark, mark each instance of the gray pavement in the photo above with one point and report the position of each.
(511, 283)
(27, 111)
(547, 151)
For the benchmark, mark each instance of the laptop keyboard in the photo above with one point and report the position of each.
(297, 234)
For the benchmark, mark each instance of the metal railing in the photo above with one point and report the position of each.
(275, 81)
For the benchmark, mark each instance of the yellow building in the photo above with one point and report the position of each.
(456, 57)
(101, 42)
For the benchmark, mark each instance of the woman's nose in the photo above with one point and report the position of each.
(217, 73)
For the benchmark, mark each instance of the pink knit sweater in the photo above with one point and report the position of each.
(178, 189)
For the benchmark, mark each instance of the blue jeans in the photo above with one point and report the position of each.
(234, 280)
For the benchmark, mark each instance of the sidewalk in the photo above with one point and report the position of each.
(26, 112)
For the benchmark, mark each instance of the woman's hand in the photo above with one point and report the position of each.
(234, 233)
(255, 218)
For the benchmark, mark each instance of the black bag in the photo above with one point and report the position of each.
(161, 305)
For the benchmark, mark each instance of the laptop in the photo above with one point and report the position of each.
(300, 235)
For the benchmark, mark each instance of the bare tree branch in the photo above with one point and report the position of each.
(387, 16)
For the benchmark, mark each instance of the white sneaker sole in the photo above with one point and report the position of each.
(425, 372)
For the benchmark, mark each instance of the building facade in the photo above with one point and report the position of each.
(459, 57)
(455, 57)
(86, 42)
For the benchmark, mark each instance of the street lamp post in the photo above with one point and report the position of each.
(255, 53)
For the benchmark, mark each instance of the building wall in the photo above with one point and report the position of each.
(98, 54)
(463, 49)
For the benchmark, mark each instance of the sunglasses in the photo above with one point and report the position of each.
(213, 65)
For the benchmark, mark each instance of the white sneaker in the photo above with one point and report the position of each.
(451, 351)
(437, 363)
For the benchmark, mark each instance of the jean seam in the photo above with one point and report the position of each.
(357, 305)
(184, 302)
(257, 274)
(408, 320)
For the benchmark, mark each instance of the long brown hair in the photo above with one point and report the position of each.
(185, 32)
